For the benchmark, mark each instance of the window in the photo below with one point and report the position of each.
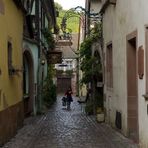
(109, 66)
(9, 55)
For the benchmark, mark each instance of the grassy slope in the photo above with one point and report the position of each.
(72, 22)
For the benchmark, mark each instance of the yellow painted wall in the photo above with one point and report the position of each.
(11, 26)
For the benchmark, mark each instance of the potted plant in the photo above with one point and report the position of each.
(100, 114)
(99, 107)
(89, 108)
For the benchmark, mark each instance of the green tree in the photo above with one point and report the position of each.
(49, 39)
(72, 20)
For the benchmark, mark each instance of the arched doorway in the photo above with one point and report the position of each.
(28, 82)
(98, 80)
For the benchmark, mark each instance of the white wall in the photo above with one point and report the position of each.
(95, 6)
(119, 21)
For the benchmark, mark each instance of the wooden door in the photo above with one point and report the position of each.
(132, 99)
(63, 84)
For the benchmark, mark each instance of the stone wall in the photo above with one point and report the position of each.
(10, 120)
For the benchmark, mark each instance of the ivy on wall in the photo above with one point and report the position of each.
(49, 88)
(90, 65)
(49, 39)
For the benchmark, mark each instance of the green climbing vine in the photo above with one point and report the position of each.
(90, 65)
(49, 88)
(49, 39)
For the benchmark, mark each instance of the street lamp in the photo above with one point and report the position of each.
(43, 62)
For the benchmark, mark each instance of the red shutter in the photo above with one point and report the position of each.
(140, 62)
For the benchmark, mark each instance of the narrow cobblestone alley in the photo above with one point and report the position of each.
(60, 128)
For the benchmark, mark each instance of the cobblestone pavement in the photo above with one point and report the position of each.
(60, 128)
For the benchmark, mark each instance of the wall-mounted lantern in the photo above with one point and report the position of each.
(43, 62)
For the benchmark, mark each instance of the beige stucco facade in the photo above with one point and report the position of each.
(11, 28)
(119, 21)
(11, 99)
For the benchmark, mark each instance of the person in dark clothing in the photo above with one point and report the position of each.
(68, 94)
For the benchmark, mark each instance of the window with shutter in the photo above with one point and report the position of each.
(109, 66)
(11, 69)
(141, 62)
(9, 55)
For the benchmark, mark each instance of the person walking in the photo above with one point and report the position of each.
(68, 94)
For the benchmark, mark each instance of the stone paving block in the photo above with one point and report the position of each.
(60, 128)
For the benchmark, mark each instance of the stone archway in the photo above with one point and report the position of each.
(28, 81)
(98, 80)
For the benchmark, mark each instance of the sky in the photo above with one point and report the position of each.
(67, 4)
